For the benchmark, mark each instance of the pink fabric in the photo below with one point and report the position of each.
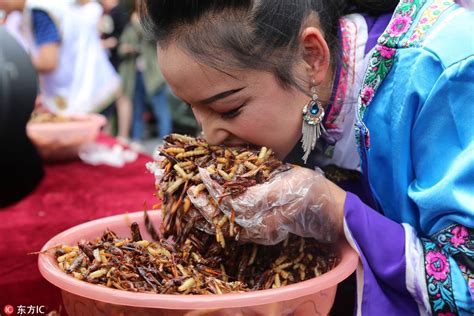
(70, 193)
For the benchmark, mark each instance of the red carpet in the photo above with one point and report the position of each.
(70, 193)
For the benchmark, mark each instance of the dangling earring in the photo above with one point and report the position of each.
(313, 114)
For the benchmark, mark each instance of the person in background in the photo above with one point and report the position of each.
(309, 79)
(112, 24)
(91, 14)
(143, 80)
(75, 74)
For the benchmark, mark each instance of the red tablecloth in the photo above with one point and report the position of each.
(70, 193)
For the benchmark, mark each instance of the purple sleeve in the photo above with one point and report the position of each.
(380, 243)
(375, 27)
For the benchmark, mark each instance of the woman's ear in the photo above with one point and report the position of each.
(315, 53)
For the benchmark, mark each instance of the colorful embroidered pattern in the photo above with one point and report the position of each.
(458, 241)
(455, 241)
(382, 59)
(348, 39)
(438, 280)
(429, 17)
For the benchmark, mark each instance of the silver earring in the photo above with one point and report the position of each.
(313, 114)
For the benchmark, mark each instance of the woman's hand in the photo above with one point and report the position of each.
(299, 201)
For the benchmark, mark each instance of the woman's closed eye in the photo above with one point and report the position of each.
(228, 114)
(232, 113)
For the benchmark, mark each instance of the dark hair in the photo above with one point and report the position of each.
(252, 34)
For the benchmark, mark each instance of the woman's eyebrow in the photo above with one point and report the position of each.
(220, 96)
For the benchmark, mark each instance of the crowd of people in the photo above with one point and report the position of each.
(93, 57)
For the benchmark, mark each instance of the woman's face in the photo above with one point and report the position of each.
(236, 107)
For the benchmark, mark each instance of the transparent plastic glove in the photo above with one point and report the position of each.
(206, 207)
(155, 169)
(296, 201)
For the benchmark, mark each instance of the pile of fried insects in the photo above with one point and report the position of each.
(198, 253)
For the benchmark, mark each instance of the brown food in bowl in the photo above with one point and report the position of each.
(198, 266)
(58, 138)
(234, 168)
(43, 116)
(197, 255)
(47, 117)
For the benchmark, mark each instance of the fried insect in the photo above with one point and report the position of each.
(198, 252)
(197, 266)
(234, 168)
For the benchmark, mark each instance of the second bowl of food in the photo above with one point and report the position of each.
(60, 137)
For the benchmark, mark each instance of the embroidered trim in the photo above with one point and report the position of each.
(438, 280)
(382, 59)
(454, 241)
(428, 18)
(348, 31)
(458, 241)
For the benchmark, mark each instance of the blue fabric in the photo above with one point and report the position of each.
(421, 122)
(44, 29)
(421, 162)
(464, 301)
(159, 105)
(384, 275)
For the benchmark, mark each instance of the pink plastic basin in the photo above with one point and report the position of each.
(61, 140)
(311, 297)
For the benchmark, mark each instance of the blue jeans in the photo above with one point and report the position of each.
(159, 106)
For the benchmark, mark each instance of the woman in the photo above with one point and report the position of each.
(142, 79)
(271, 73)
(75, 76)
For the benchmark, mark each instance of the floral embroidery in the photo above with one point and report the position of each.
(438, 280)
(423, 20)
(437, 265)
(459, 236)
(457, 242)
(382, 59)
(384, 54)
(367, 94)
(399, 25)
(429, 17)
(348, 39)
(463, 240)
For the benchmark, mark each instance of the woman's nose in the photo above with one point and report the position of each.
(212, 126)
